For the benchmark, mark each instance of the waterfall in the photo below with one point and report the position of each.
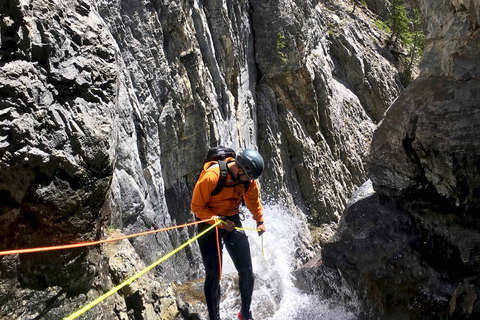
(275, 297)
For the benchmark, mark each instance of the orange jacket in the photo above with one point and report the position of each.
(227, 202)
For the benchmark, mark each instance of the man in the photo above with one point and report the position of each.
(242, 173)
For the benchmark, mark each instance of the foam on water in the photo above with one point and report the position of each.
(275, 297)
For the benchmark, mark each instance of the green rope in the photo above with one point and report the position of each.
(135, 277)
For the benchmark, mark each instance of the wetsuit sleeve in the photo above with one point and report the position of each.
(202, 194)
(252, 200)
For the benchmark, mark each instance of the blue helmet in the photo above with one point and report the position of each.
(251, 163)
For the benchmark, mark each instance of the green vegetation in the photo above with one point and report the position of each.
(281, 46)
(383, 26)
(110, 230)
(416, 44)
(405, 35)
(398, 23)
(330, 27)
(315, 216)
(359, 3)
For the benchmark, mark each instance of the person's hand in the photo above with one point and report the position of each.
(226, 224)
(261, 228)
(230, 226)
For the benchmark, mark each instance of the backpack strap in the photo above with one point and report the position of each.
(223, 177)
(247, 185)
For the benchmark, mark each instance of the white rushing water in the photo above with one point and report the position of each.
(275, 297)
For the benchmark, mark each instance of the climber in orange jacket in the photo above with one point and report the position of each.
(240, 184)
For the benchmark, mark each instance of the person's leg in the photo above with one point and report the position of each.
(209, 251)
(238, 248)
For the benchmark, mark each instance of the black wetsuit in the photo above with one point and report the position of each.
(238, 248)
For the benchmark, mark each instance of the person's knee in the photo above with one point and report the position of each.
(212, 276)
(246, 274)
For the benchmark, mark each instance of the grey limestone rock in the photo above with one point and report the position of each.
(107, 109)
(410, 250)
(427, 142)
(322, 89)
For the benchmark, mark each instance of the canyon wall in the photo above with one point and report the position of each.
(107, 109)
(407, 244)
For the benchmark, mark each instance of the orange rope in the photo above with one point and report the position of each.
(85, 244)
(219, 254)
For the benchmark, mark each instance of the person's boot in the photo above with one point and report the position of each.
(249, 317)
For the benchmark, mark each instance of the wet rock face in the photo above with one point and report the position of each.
(399, 266)
(388, 263)
(410, 250)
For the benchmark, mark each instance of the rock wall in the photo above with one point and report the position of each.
(409, 249)
(324, 81)
(59, 134)
(107, 109)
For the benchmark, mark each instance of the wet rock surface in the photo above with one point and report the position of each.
(410, 250)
